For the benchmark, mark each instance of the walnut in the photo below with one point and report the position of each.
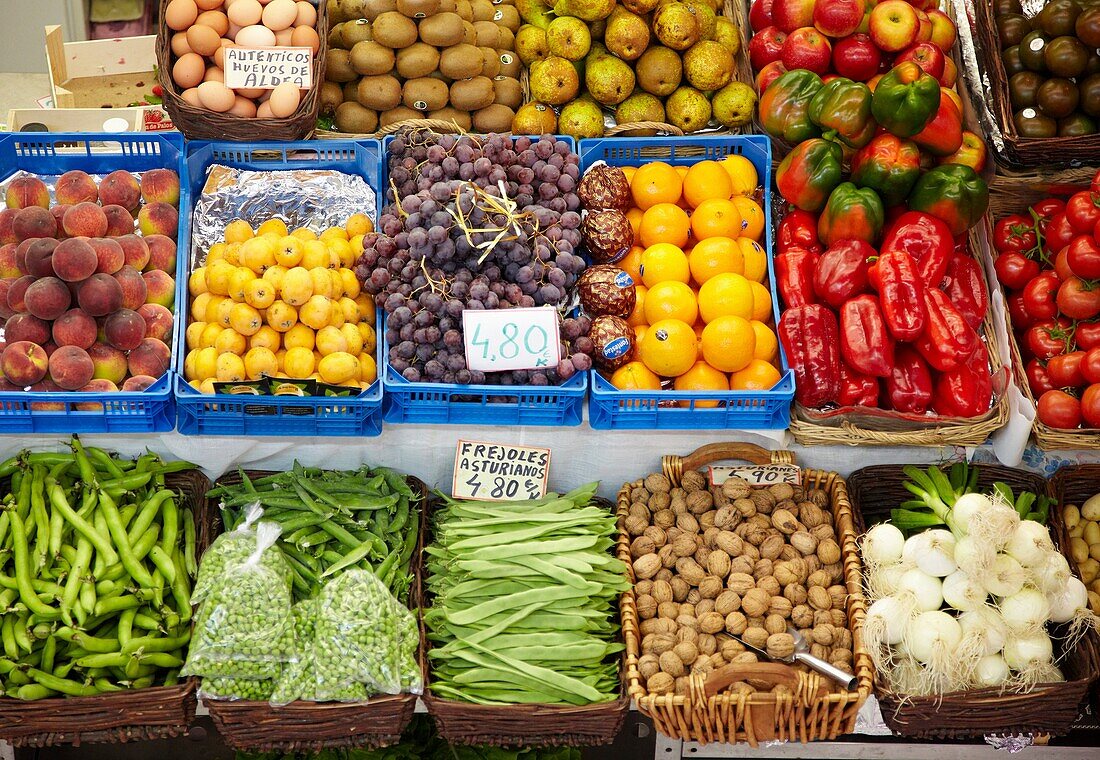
(731, 648)
(736, 488)
(710, 587)
(823, 634)
(819, 598)
(699, 502)
(802, 616)
(727, 602)
(647, 566)
(772, 546)
(780, 645)
(662, 591)
(822, 532)
(664, 518)
(693, 480)
(812, 515)
(658, 482)
(770, 584)
(660, 500)
(656, 625)
(786, 522)
(775, 624)
(740, 583)
(781, 491)
(703, 607)
(718, 562)
(708, 645)
(743, 565)
(796, 593)
(670, 610)
(636, 524)
(684, 546)
(680, 589)
(672, 664)
(747, 507)
(657, 535)
(660, 683)
(687, 522)
(755, 602)
(712, 622)
(755, 637)
(690, 570)
(661, 643)
(643, 587)
(736, 623)
(818, 578)
(647, 606)
(828, 551)
(648, 666)
(804, 542)
(839, 595)
(642, 545)
(781, 606)
(706, 520)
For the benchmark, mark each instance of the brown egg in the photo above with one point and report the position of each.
(216, 96)
(219, 54)
(307, 14)
(188, 70)
(255, 36)
(284, 36)
(214, 74)
(179, 44)
(243, 107)
(245, 12)
(209, 5)
(203, 40)
(181, 14)
(305, 36)
(280, 14)
(284, 100)
(264, 111)
(254, 94)
(216, 20)
(191, 96)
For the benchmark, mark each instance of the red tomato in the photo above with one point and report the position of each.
(1058, 234)
(1061, 264)
(1047, 339)
(1090, 405)
(1090, 366)
(1065, 370)
(1015, 232)
(1046, 210)
(1082, 212)
(1087, 335)
(1083, 257)
(1021, 320)
(1015, 270)
(1037, 378)
(1058, 409)
(1078, 299)
(1040, 295)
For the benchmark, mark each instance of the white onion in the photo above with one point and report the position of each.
(1068, 601)
(966, 507)
(962, 592)
(986, 627)
(933, 635)
(933, 551)
(889, 616)
(973, 556)
(1030, 543)
(1026, 610)
(995, 526)
(991, 670)
(925, 591)
(883, 544)
(1005, 577)
(1053, 573)
(1028, 651)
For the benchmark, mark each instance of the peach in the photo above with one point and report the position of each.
(26, 327)
(8, 265)
(109, 362)
(119, 221)
(34, 222)
(85, 220)
(158, 320)
(151, 358)
(46, 386)
(21, 256)
(158, 219)
(96, 385)
(17, 293)
(135, 249)
(27, 191)
(120, 188)
(5, 286)
(162, 254)
(75, 259)
(39, 262)
(109, 255)
(100, 295)
(76, 187)
(161, 186)
(7, 235)
(161, 288)
(71, 367)
(124, 329)
(24, 363)
(58, 214)
(49, 347)
(134, 290)
(74, 328)
(138, 383)
(48, 298)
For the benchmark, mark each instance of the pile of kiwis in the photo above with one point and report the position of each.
(392, 60)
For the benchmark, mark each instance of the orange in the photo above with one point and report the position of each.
(664, 223)
(752, 216)
(706, 180)
(629, 172)
(631, 263)
(767, 346)
(756, 259)
(639, 333)
(662, 262)
(701, 377)
(729, 343)
(681, 170)
(716, 255)
(725, 294)
(716, 217)
(637, 317)
(655, 183)
(742, 174)
(670, 300)
(668, 348)
(759, 375)
(698, 328)
(634, 216)
(761, 302)
(635, 376)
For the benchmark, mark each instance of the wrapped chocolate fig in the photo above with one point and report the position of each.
(607, 234)
(605, 289)
(613, 342)
(604, 187)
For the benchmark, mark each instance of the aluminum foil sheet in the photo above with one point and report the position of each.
(313, 198)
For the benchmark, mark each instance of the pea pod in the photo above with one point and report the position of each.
(62, 685)
(101, 543)
(122, 541)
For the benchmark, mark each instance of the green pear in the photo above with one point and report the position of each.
(676, 25)
(641, 106)
(688, 109)
(581, 118)
(627, 34)
(553, 80)
(733, 105)
(708, 65)
(708, 20)
(609, 80)
(659, 71)
(569, 38)
(729, 34)
(587, 10)
(535, 119)
(534, 12)
(531, 44)
(641, 7)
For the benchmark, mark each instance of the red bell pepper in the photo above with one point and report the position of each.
(811, 338)
(927, 239)
(901, 293)
(909, 387)
(944, 134)
(865, 343)
(794, 273)
(947, 341)
(841, 272)
(857, 389)
(965, 286)
(966, 391)
(798, 228)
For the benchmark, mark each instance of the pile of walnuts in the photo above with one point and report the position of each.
(714, 562)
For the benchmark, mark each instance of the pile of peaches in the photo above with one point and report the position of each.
(87, 284)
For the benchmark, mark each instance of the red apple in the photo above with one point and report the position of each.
(926, 55)
(924, 31)
(950, 72)
(760, 14)
(924, 5)
(769, 74)
(789, 15)
(766, 46)
(807, 48)
(856, 57)
(894, 25)
(952, 96)
(943, 30)
(838, 18)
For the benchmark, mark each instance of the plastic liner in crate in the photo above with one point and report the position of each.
(225, 414)
(610, 408)
(148, 411)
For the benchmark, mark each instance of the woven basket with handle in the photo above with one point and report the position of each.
(811, 708)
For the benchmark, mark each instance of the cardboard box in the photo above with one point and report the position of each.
(75, 119)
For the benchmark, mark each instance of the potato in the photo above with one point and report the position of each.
(1090, 510)
(1091, 533)
(1078, 550)
(1071, 515)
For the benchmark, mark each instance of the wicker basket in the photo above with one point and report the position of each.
(141, 714)
(258, 726)
(201, 124)
(812, 713)
(1046, 709)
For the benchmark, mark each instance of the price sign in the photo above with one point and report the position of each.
(266, 68)
(500, 472)
(758, 474)
(506, 339)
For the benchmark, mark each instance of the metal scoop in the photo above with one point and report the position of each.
(802, 654)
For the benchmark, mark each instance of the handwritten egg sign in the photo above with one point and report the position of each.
(267, 68)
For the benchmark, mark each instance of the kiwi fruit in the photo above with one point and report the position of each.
(469, 34)
(371, 58)
(460, 118)
(447, 6)
(332, 95)
(351, 91)
(425, 94)
(338, 66)
(508, 17)
(508, 92)
(354, 32)
(460, 62)
(355, 119)
(394, 115)
(336, 36)
(351, 9)
(375, 8)
(380, 92)
(464, 10)
(394, 30)
(494, 118)
(510, 64)
(417, 60)
(418, 8)
(472, 94)
(488, 34)
(483, 10)
(490, 62)
(441, 30)
(507, 39)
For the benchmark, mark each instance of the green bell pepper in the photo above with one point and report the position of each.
(842, 108)
(785, 105)
(809, 173)
(954, 193)
(905, 99)
(851, 213)
(888, 165)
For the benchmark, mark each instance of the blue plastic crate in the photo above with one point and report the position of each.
(148, 411)
(610, 408)
(450, 404)
(224, 414)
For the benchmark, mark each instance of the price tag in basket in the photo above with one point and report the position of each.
(266, 68)
(757, 474)
(505, 339)
(499, 471)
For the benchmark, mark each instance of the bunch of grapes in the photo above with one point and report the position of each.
(475, 222)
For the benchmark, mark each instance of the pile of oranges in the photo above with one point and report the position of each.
(703, 315)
